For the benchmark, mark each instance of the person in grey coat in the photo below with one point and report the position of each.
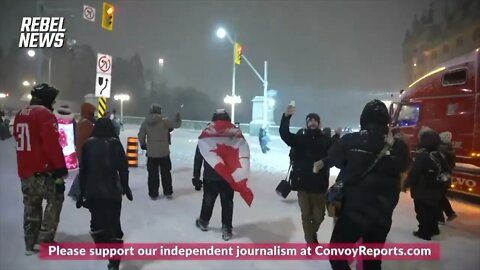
(154, 137)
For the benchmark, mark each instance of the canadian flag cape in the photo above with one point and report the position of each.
(223, 147)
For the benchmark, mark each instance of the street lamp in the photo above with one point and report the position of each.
(161, 61)
(3, 95)
(31, 54)
(222, 33)
(122, 98)
(26, 83)
(232, 99)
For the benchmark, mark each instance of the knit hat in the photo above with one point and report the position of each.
(221, 115)
(44, 94)
(156, 108)
(313, 116)
(375, 112)
(429, 140)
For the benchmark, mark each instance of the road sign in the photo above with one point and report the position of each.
(104, 63)
(89, 13)
(103, 84)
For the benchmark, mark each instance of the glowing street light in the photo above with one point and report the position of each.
(3, 95)
(122, 98)
(31, 53)
(232, 100)
(161, 62)
(221, 33)
(26, 83)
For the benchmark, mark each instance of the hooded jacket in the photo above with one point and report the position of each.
(154, 134)
(374, 195)
(422, 177)
(84, 126)
(104, 165)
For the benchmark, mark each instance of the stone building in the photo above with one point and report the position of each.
(449, 28)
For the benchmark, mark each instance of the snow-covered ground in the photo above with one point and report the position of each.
(270, 219)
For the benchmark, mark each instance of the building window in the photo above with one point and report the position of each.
(459, 42)
(476, 34)
(445, 49)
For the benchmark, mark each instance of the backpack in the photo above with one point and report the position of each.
(443, 176)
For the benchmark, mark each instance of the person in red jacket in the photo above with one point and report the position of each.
(41, 166)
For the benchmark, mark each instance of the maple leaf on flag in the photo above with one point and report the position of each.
(230, 156)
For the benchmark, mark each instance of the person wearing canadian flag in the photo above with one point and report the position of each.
(225, 156)
(41, 167)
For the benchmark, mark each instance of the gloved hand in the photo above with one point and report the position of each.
(143, 147)
(197, 183)
(128, 194)
(59, 186)
(318, 166)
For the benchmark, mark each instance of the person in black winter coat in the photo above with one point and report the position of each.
(103, 181)
(446, 148)
(213, 185)
(309, 147)
(425, 189)
(337, 135)
(368, 198)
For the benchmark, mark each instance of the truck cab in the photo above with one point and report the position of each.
(446, 99)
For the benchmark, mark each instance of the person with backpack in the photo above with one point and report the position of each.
(103, 181)
(371, 162)
(308, 147)
(446, 148)
(426, 183)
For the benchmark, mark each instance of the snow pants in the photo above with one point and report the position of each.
(40, 227)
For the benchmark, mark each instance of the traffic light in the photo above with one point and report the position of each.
(108, 14)
(238, 53)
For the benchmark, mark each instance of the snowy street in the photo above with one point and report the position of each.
(270, 219)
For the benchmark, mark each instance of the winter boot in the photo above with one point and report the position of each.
(422, 236)
(114, 265)
(169, 196)
(202, 225)
(451, 217)
(226, 233)
(31, 252)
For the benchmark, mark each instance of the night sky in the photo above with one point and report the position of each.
(326, 55)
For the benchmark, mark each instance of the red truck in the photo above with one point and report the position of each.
(447, 99)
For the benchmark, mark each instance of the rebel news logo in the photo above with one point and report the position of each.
(42, 32)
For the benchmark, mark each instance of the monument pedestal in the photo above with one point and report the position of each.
(257, 116)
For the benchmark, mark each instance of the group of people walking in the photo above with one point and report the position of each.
(368, 187)
(371, 164)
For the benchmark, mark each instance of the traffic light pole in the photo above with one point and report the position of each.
(233, 85)
(262, 79)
